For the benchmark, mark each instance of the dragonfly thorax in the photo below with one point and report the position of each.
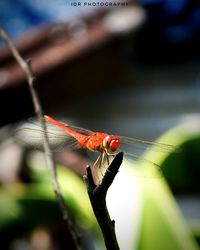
(111, 143)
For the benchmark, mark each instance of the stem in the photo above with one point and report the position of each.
(26, 67)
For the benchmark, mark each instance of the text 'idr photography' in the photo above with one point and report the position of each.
(98, 3)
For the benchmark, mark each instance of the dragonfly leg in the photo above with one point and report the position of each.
(97, 160)
(98, 165)
(94, 167)
(106, 155)
(105, 161)
(107, 158)
(101, 157)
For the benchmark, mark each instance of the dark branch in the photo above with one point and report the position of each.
(26, 67)
(97, 195)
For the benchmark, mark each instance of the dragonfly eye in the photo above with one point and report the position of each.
(111, 143)
(114, 145)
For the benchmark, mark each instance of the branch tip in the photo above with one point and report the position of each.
(97, 195)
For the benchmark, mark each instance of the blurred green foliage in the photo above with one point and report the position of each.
(24, 207)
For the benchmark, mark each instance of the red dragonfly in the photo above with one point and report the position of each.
(106, 144)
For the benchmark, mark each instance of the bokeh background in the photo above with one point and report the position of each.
(131, 70)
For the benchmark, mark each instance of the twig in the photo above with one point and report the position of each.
(26, 67)
(97, 195)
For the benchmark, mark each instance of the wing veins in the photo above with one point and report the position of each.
(143, 143)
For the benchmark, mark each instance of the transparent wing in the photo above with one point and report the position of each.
(134, 148)
(141, 166)
(31, 134)
(144, 167)
(142, 144)
(55, 128)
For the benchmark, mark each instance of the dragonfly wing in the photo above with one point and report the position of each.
(137, 146)
(32, 135)
(80, 130)
(55, 128)
(144, 167)
(142, 144)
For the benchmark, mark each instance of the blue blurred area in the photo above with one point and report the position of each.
(174, 7)
(19, 15)
(178, 20)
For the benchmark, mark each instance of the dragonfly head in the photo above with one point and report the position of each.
(111, 143)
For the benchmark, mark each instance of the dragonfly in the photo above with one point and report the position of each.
(107, 145)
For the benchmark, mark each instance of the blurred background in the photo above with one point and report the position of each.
(131, 69)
